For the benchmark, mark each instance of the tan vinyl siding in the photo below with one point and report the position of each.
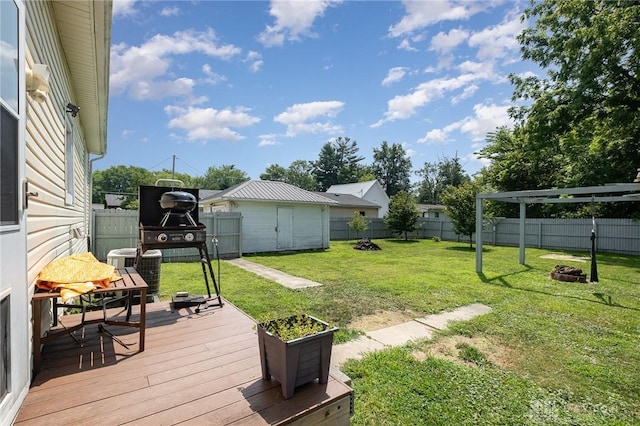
(49, 220)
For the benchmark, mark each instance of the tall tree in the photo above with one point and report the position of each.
(392, 167)
(338, 162)
(437, 176)
(403, 214)
(585, 109)
(222, 177)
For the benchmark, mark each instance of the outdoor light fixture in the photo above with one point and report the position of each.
(73, 109)
(37, 82)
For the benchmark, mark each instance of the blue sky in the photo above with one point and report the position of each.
(257, 83)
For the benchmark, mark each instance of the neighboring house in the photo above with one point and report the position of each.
(54, 59)
(276, 216)
(113, 201)
(432, 211)
(371, 191)
(347, 204)
(204, 194)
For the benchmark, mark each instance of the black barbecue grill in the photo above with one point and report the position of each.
(168, 219)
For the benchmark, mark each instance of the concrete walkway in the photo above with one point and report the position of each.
(400, 334)
(282, 278)
(396, 335)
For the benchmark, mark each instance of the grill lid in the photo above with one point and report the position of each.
(178, 201)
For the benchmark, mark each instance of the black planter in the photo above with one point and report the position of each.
(298, 361)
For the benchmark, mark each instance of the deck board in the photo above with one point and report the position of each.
(196, 369)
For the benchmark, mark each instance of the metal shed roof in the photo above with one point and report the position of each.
(266, 190)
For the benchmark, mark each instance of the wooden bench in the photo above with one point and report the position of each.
(130, 283)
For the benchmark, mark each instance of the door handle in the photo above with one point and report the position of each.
(28, 194)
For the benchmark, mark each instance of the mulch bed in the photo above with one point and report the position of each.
(366, 244)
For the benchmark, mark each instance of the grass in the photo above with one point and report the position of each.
(569, 351)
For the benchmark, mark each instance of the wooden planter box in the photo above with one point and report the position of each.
(297, 361)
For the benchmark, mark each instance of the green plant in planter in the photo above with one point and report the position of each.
(294, 327)
(295, 350)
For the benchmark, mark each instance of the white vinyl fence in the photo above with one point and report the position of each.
(115, 229)
(613, 235)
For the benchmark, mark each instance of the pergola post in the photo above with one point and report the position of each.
(478, 234)
(523, 217)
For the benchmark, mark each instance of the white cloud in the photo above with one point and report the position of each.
(394, 75)
(468, 92)
(209, 123)
(499, 40)
(268, 140)
(421, 14)
(297, 117)
(212, 77)
(170, 11)
(402, 107)
(445, 43)
(124, 8)
(254, 59)
(139, 70)
(435, 136)
(294, 20)
(486, 118)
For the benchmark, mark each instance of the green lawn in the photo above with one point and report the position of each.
(549, 353)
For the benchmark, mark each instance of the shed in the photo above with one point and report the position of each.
(370, 190)
(276, 216)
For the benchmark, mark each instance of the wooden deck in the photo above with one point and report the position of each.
(198, 368)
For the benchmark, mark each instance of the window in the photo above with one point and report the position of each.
(362, 213)
(5, 348)
(9, 168)
(68, 162)
(436, 215)
(9, 54)
(9, 90)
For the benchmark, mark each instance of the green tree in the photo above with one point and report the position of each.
(437, 176)
(582, 116)
(222, 177)
(300, 174)
(185, 178)
(120, 180)
(460, 202)
(297, 174)
(338, 162)
(358, 223)
(274, 172)
(392, 167)
(403, 214)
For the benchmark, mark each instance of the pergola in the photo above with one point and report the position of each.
(616, 192)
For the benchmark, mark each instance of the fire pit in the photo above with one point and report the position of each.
(568, 274)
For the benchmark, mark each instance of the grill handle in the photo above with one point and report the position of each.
(172, 181)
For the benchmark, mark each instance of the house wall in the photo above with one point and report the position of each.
(348, 211)
(259, 220)
(377, 196)
(50, 220)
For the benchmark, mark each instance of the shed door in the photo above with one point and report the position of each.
(285, 228)
(14, 301)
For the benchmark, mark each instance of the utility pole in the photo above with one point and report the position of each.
(173, 168)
